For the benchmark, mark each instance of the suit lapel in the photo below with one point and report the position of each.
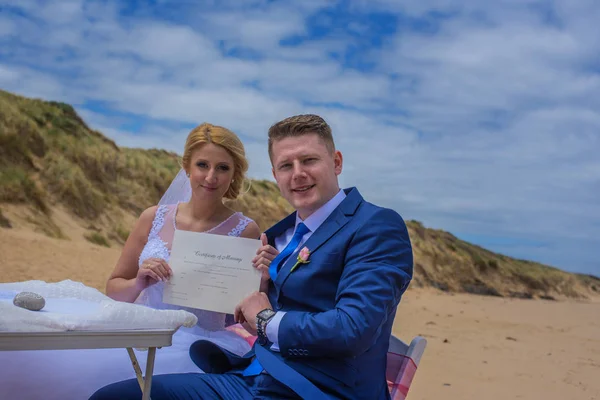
(280, 227)
(338, 218)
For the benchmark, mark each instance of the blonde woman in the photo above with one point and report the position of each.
(213, 168)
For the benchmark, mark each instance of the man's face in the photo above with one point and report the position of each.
(306, 172)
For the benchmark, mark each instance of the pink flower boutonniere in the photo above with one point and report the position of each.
(303, 256)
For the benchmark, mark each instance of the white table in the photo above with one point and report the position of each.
(128, 339)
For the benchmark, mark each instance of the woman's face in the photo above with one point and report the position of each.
(211, 171)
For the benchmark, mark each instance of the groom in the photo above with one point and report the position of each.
(324, 326)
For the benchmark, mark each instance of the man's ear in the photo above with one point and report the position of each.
(338, 161)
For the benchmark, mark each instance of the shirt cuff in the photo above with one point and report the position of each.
(273, 330)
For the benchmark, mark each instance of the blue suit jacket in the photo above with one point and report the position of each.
(340, 307)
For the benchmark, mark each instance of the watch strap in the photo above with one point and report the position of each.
(262, 319)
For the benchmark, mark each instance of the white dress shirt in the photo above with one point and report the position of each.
(312, 223)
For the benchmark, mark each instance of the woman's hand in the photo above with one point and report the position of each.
(264, 256)
(151, 271)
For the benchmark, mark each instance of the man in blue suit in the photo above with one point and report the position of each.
(338, 267)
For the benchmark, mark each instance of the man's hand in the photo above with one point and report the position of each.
(245, 312)
(264, 256)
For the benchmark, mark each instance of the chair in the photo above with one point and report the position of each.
(402, 361)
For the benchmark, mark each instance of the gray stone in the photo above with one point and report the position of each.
(30, 301)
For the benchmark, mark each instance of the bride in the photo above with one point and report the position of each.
(214, 167)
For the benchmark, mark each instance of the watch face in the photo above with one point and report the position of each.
(266, 314)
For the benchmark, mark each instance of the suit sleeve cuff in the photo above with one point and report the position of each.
(273, 330)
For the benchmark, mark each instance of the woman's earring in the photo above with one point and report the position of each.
(188, 174)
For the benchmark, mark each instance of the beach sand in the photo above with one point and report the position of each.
(493, 348)
(478, 347)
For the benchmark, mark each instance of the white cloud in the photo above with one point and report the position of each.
(60, 12)
(167, 45)
(8, 75)
(7, 27)
(260, 30)
(485, 124)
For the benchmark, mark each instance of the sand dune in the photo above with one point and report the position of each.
(479, 347)
(27, 255)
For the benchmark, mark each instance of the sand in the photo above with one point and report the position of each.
(478, 347)
(492, 348)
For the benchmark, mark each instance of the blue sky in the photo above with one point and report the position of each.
(479, 118)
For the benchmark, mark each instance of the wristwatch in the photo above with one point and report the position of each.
(262, 319)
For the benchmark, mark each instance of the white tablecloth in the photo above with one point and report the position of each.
(73, 306)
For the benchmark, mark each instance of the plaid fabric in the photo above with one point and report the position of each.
(241, 331)
(399, 372)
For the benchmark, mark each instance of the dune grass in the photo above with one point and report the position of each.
(97, 238)
(4, 222)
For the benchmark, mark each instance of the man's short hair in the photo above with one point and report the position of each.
(299, 125)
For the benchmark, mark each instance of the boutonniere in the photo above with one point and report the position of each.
(303, 256)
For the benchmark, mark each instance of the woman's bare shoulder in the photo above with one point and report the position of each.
(251, 231)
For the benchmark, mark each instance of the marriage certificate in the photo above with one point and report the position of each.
(211, 272)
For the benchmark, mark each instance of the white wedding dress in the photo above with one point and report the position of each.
(77, 374)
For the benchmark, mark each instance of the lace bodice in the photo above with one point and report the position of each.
(159, 246)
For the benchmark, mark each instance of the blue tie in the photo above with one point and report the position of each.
(301, 230)
(255, 368)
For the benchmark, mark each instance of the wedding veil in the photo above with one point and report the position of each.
(179, 190)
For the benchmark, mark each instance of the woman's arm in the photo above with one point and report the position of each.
(252, 231)
(123, 284)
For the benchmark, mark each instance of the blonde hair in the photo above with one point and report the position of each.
(208, 133)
